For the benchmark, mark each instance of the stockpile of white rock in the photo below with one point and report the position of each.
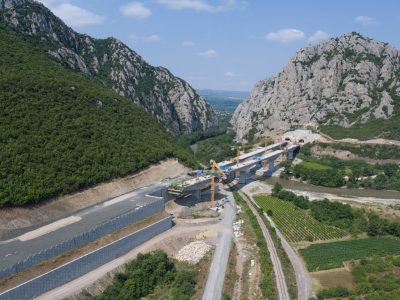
(236, 228)
(193, 252)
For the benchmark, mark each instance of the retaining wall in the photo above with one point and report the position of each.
(85, 264)
(110, 226)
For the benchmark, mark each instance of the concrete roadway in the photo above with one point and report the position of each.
(216, 275)
(20, 248)
(283, 293)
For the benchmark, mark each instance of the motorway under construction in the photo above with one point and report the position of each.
(241, 167)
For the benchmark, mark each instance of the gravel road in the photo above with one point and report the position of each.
(282, 289)
(216, 275)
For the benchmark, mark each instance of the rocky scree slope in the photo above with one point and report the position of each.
(170, 99)
(345, 82)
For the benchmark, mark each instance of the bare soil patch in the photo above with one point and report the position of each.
(333, 278)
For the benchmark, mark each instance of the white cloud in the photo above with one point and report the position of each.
(188, 44)
(318, 36)
(364, 20)
(73, 15)
(200, 5)
(153, 38)
(230, 74)
(285, 35)
(136, 10)
(211, 53)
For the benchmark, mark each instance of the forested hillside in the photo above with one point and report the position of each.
(61, 131)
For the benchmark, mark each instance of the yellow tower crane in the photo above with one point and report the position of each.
(214, 169)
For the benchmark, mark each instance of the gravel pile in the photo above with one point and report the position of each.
(236, 228)
(193, 252)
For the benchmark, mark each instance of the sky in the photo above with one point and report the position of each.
(227, 44)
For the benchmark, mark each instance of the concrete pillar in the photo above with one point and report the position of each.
(197, 194)
(164, 194)
(231, 176)
(271, 168)
(244, 177)
(290, 155)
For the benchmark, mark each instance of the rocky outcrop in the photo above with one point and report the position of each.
(344, 81)
(170, 99)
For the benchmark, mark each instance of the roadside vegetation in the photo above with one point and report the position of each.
(287, 266)
(61, 131)
(373, 151)
(267, 283)
(332, 255)
(149, 272)
(375, 279)
(330, 171)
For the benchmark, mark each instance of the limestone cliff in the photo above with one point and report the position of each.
(344, 81)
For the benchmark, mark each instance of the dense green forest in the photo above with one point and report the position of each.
(148, 272)
(334, 172)
(343, 216)
(61, 131)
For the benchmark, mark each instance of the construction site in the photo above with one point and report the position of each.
(63, 257)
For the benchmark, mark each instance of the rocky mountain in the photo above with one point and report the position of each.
(170, 99)
(344, 82)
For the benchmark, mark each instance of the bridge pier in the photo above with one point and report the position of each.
(271, 168)
(244, 177)
(197, 194)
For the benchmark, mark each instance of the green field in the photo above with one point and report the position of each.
(296, 224)
(314, 166)
(332, 255)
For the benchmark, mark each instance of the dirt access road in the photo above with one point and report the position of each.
(216, 276)
(283, 293)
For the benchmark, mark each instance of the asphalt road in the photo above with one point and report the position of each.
(303, 279)
(283, 293)
(216, 275)
(20, 248)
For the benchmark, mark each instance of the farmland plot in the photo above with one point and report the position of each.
(295, 223)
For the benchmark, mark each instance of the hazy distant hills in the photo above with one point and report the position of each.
(223, 100)
(345, 86)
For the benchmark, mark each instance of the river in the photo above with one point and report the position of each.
(340, 192)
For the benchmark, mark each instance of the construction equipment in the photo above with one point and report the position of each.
(238, 149)
(215, 169)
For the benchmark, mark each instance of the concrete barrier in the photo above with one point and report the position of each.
(110, 226)
(85, 264)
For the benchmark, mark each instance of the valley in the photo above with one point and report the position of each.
(121, 180)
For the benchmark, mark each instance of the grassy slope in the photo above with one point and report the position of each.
(61, 131)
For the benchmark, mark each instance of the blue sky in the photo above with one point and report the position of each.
(227, 44)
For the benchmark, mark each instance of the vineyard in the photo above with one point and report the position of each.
(332, 255)
(296, 224)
